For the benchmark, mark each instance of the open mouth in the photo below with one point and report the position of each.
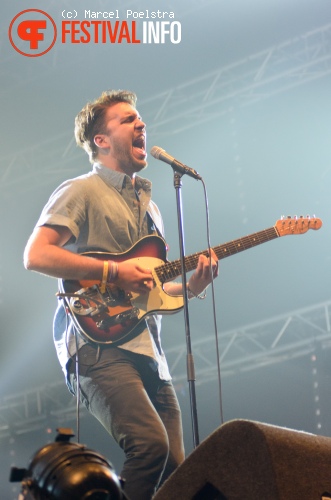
(139, 145)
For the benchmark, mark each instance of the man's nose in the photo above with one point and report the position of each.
(141, 124)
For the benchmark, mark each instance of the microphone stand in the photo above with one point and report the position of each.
(189, 360)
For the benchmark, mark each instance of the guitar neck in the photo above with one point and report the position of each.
(172, 270)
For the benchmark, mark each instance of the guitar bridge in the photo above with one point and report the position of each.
(87, 302)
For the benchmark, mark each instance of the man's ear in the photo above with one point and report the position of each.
(101, 141)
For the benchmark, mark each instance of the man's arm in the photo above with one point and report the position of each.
(199, 280)
(45, 254)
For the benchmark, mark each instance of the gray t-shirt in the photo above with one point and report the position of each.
(102, 211)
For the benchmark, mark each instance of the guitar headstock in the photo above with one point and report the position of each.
(297, 225)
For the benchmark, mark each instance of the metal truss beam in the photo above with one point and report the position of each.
(260, 76)
(254, 346)
(258, 345)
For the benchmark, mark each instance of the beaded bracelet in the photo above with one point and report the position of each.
(109, 274)
(200, 296)
(113, 271)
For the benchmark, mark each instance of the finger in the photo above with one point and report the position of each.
(203, 270)
(144, 270)
(213, 255)
(148, 284)
(215, 270)
(210, 266)
(203, 264)
(207, 269)
(214, 263)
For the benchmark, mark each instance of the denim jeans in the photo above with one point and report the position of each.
(140, 411)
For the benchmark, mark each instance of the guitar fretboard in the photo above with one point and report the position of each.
(171, 270)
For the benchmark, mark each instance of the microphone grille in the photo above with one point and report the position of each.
(156, 151)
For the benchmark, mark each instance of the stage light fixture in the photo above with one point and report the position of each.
(68, 471)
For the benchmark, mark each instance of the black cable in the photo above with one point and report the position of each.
(219, 378)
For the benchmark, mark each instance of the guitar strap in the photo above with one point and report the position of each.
(155, 221)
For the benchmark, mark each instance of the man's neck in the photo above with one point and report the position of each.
(106, 164)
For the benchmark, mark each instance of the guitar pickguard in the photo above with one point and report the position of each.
(111, 316)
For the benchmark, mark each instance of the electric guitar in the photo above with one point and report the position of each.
(112, 316)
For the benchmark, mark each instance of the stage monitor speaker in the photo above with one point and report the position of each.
(245, 460)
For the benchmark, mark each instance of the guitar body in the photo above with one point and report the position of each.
(110, 317)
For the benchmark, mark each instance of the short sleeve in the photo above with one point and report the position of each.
(66, 207)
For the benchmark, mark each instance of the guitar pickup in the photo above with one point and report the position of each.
(130, 314)
(118, 319)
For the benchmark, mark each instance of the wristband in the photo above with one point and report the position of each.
(104, 276)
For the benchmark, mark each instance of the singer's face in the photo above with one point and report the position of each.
(123, 146)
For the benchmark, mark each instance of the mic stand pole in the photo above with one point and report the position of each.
(189, 360)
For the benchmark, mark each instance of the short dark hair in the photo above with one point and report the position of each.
(90, 121)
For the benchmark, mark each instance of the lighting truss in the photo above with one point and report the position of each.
(275, 340)
(258, 345)
(259, 76)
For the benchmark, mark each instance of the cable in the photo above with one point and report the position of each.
(219, 378)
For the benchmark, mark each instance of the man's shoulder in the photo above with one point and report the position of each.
(83, 178)
(80, 180)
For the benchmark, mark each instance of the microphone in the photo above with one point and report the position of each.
(160, 154)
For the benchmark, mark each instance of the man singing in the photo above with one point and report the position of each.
(126, 386)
